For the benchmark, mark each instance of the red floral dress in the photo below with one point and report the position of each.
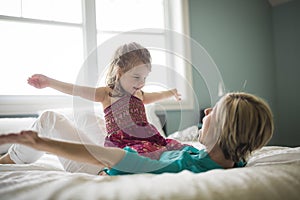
(127, 125)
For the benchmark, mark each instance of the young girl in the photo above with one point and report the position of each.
(123, 101)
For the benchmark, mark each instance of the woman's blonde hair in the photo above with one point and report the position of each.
(245, 123)
(125, 58)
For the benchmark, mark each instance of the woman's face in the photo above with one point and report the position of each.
(206, 132)
(134, 79)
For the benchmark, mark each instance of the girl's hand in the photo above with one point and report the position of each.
(39, 81)
(176, 94)
(28, 138)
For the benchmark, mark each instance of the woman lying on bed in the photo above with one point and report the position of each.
(237, 125)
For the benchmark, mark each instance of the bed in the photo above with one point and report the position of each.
(271, 173)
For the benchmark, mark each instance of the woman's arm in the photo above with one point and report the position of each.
(156, 96)
(41, 81)
(96, 155)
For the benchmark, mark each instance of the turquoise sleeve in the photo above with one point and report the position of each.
(132, 163)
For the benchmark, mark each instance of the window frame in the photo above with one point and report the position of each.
(32, 104)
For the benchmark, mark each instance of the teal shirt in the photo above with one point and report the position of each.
(188, 158)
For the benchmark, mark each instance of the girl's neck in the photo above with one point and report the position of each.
(118, 93)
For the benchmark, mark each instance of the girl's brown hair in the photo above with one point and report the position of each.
(125, 58)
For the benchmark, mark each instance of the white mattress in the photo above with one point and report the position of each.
(271, 173)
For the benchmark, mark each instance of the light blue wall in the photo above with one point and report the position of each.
(250, 40)
(286, 23)
(238, 36)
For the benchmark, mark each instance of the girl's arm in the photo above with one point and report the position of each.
(156, 96)
(92, 154)
(41, 81)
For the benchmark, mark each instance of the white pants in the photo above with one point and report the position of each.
(54, 125)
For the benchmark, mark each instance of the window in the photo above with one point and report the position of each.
(39, 36)
(36, 37)
(149, 23)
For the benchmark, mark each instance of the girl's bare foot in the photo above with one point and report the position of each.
(5, 159)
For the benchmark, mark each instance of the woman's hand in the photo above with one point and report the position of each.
(28, 138)
(39, 81)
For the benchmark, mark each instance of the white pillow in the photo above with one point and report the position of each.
(153, 119)
(188, 134)
(274, 155)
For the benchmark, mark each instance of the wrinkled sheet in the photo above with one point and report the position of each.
(271, 173)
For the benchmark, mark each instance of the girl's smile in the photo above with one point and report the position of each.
(134, 79)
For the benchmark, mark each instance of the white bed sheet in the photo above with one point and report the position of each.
(272, 173)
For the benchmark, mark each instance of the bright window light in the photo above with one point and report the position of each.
(28, 48)
(54, 10)
(53, 37)
(120, 15)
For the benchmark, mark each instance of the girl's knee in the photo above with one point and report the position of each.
(51, 117)
(47, 121)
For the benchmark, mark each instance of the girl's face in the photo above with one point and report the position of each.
(134, 79)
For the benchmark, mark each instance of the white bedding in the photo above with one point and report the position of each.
(272, 173)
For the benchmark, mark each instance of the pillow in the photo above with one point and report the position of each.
(274, 155)
(153, 118)
(188, 134)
